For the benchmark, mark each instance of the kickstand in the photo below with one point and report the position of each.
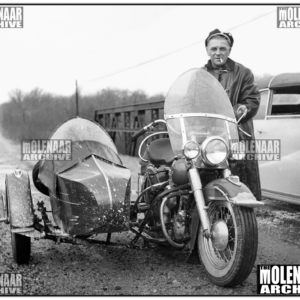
(193, 258)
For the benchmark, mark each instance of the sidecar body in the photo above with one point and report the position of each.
(90, 193)
(88, 186)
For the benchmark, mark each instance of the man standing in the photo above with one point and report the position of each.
(238, 82)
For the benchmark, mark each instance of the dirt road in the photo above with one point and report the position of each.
(104, 270)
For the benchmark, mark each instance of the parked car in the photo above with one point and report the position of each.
(278, 118)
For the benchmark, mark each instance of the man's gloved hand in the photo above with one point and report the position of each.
(240, 111)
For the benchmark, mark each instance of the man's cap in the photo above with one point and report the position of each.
(217, 32)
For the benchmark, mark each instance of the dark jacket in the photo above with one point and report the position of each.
(238, 82)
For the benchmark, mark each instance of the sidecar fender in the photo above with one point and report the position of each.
(19, 200)
(223, 189)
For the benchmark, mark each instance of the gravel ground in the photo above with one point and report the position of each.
(116, 270)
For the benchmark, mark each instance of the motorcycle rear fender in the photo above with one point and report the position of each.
(238, 194)
(19, 200)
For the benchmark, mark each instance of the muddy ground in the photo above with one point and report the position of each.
(105, 270)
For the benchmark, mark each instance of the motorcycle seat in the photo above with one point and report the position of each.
(160, 152)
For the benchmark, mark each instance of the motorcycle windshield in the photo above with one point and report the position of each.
(86, 138)
(197, 107)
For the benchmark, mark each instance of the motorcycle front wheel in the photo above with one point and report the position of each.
(229, 255)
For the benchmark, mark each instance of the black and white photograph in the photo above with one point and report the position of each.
(149, 148)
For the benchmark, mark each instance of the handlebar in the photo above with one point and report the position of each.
(242, 116)
(146, 128)
(139, 133)
(239, 120)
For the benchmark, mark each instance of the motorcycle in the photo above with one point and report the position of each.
(189, 199)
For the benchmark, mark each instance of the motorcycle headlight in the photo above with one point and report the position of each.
(214, 151)
(191, 149)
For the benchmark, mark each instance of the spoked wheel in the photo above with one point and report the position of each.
(229, 255)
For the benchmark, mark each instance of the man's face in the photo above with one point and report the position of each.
(218, 50)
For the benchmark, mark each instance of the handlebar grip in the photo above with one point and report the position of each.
(139, 133)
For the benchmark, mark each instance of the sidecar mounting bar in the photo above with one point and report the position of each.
(80, 241)
(147, 237)
(92, 241)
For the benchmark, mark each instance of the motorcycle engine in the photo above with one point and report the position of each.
(176, 210)
(177, 217)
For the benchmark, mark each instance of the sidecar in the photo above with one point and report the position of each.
(87, 185)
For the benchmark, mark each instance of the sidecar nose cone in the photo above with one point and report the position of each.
(220, 235)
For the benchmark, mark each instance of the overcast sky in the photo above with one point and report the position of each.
(60, 44)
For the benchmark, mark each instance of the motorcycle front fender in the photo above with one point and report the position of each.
(237, 194)
(223, 189)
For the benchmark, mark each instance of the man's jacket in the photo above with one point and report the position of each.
(238, 82)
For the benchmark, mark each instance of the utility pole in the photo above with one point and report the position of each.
(77, 100)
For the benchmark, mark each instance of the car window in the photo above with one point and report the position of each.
(285, 104)
(263, 104)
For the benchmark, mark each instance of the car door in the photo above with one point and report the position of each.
(278, 118)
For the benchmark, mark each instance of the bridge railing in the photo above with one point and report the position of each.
(121, 122)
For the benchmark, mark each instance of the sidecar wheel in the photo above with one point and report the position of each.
(21, 248)
(228, 257)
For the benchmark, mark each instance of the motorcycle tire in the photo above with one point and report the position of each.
(228, 257)
(37, 183)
